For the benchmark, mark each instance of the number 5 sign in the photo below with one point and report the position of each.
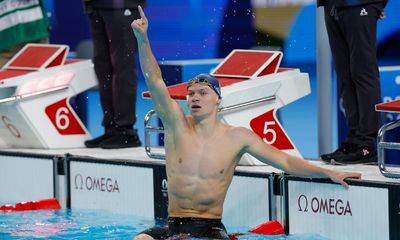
(63, 118)
(271, 131)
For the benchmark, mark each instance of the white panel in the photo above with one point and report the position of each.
(117, 188)
(247, 202)
(14, 130)
(330, 210)
(25, 179)
(293, 88)
(247, 91)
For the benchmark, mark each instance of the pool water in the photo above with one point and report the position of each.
(92, 224)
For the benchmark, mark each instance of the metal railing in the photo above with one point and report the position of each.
(382, 146)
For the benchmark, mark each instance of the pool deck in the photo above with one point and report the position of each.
(369, 172)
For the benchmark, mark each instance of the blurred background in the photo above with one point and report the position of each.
(199, 29)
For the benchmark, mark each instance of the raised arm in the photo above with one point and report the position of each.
(164, 105)
(288, 163)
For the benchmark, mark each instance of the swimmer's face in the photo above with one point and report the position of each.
(202, 99)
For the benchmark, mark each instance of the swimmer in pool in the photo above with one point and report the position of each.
(202, 152)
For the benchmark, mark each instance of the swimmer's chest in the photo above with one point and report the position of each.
(204, 157)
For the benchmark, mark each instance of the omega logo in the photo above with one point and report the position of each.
(78, 181)
(164, 187)
(102, 184)
(164, 184)
(320, 205)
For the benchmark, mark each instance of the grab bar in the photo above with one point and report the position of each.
(382, 145)
(29, 95)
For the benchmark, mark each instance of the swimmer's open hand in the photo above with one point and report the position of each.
(140, 25)
(339, 177)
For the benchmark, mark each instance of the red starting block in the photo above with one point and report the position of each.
(36, 86)
(253, 88)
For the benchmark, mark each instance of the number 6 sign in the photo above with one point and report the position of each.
(13, 130)
(63, 119)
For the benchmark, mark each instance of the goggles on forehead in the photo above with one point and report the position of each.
(201, 81)
(206, 80)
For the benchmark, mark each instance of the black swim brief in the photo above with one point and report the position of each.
(181, 228)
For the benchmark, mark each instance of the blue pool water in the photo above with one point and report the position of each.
(92, 224)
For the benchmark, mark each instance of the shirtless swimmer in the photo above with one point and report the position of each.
(202, 152)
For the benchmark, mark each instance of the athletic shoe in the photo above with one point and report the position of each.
(361, 154)
(94, 143)
(121, 141)
(343, 149)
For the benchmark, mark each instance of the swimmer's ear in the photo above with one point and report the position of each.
(218, 101)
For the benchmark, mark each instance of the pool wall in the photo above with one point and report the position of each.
(367, 210)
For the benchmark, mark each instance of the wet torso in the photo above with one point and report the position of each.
(200, 170)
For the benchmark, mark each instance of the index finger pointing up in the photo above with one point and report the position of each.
(141, 12)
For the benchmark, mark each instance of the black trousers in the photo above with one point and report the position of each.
(352, 37)
(115, 51)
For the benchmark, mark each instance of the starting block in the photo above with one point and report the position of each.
(253, 89)
(393, 106)
(35, 89)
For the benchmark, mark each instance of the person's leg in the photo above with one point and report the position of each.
(123, 49)
(359, 26)
(102, 64)
(341, 59)
(364, 70)
(103, 69)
